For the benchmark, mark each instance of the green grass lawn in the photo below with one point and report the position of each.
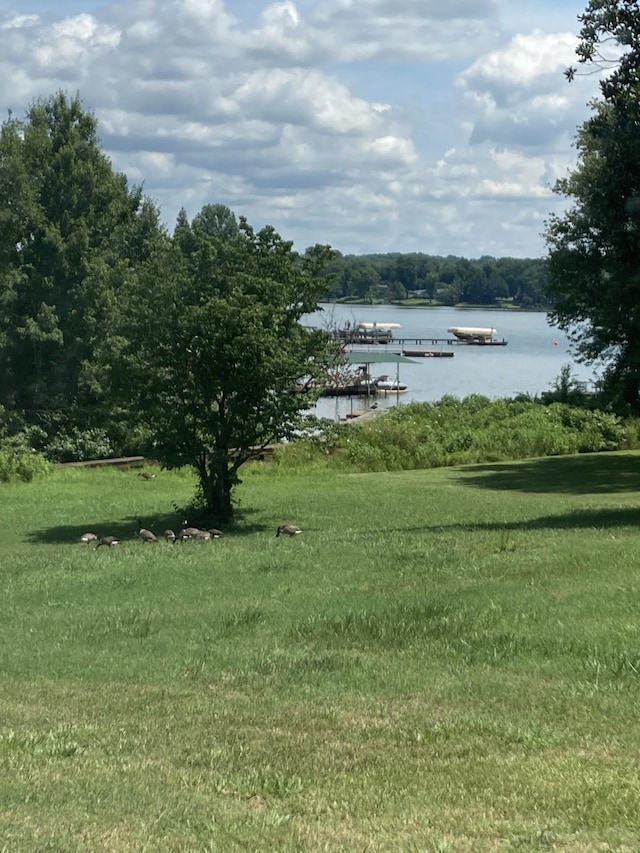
(444, 660)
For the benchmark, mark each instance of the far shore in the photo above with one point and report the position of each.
(426, 303)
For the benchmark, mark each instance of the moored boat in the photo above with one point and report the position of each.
(472, 333)
(482, 335)
(386, 385)
(352, 389)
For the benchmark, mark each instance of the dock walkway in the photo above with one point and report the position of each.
(423, 342)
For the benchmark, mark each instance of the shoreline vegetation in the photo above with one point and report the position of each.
(452, 431)
(506, 305)
(395, 277)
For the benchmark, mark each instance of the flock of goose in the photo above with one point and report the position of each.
(185, 534)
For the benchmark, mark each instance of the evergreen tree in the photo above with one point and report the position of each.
(72, 235)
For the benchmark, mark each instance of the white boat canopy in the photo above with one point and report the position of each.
(472, 332)
(381, 326)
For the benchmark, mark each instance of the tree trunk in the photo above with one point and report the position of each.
(216, 484)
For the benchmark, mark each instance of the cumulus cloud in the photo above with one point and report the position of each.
(353, 122)
(424, 30)
(513, 95)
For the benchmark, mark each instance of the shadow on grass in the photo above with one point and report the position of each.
(127, 529)
(588, 474)
(582, 519)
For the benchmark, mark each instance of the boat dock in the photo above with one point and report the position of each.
(427, 353)
(419, 346)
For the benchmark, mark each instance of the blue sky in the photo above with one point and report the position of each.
(372, 125)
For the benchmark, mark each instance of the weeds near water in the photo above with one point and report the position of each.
(428, 435)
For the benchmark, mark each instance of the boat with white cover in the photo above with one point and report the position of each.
(483, 335)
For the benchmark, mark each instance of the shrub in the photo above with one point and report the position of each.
(79, 445)
(19, 462)
(477, 429)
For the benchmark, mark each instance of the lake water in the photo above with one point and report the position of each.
(530, 363)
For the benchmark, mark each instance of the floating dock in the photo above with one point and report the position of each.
(427, 353)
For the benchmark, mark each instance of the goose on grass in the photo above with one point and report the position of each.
(144, 534)
(109, 541)
(147, 535)
(198, 533)
(88, 538)
(189, 532)
(288, 530)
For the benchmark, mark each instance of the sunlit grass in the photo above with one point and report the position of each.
(443, 660)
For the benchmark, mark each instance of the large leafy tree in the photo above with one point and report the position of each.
(72, 235)
(594, 249)
(217, 349)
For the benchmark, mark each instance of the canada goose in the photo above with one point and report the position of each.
(170, 536)
(197, 533)
(144, 534)
(109, 541)
(88, 537)
(182, 536)
(147, 535)
(192, 532)
(147, 475)
(288, 530)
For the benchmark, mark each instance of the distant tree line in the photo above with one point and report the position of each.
(446, 280)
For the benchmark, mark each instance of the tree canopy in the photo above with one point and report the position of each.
(217, 354)
(594, 248)
(71, 234)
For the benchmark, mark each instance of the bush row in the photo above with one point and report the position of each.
(417, 435)
(462, 431)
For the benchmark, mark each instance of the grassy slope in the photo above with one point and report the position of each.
(444, 660)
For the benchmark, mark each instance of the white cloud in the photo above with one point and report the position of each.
(423, 30)
(517, 94)
(523, 62)
(341, 121)
(20, 22)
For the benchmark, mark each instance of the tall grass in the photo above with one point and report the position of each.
(444, 660)
(462, 431)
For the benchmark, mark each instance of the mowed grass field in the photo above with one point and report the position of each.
(444, 660)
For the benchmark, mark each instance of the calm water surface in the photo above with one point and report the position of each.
(530, 363)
